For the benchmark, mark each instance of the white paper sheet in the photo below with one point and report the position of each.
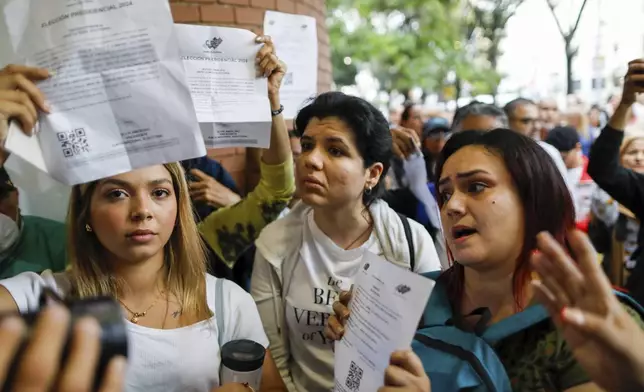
(386, 307)
(296, 43)
(230, 100)
(119, 96)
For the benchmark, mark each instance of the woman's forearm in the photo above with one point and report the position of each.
(280, 148)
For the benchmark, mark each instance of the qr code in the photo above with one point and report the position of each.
(288, 79)
(73, 143)
(354, 377)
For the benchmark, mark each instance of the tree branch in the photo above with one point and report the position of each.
(551, 6)
(581, 11)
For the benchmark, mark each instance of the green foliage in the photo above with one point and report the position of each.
(416, 43)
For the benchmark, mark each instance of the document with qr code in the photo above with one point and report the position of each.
(230, 99)
(118, 92)
(386, 307)
(296, 43)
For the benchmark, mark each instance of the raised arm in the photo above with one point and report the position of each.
(230, 231)
(624, 185)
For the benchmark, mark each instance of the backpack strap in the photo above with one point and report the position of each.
(438, 310)
(219, 306)
(410, 241)
(511, 325)
(630, 302)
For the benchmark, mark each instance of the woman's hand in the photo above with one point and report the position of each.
(603, 337)
(633, 82)
(40, 367)
(405, 142)
(334, 328)
(20, 99)
(405, 373)
(270, 66)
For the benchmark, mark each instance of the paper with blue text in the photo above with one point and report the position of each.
(230, 99)
(118, 95)
(387, 304)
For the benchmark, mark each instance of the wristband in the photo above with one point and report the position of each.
(278, 111)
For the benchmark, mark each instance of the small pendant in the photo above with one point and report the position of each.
(136, 317)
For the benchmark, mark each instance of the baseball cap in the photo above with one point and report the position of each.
(563, 138)
(434, 126)
(6, 185)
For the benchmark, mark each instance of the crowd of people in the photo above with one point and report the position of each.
(498, 205)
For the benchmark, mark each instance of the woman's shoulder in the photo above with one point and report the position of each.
(280, 236)
(232, 294)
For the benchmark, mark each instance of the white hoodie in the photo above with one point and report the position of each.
(278, 253)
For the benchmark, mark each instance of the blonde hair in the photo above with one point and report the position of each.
(580, 121)
(185, 256)
(631, 135)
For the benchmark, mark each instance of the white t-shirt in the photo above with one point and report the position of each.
(172, 360)
(322, 271)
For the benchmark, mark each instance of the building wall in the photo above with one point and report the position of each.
(249, 14)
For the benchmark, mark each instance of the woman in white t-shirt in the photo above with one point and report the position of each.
(306, 258)
(133, 236)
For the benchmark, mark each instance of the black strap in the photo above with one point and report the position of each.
(410, 241)
(485, 315)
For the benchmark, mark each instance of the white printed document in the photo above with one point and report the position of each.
(230, 100)
(118, 96)
(296, 43)
(387, 304)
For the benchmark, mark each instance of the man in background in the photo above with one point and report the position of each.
(549, 116)
(523, 117)
(566, 141)
(27, 243)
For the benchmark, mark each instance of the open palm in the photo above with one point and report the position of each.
(604, 338)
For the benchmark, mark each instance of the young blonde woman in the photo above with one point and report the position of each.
(133, 236)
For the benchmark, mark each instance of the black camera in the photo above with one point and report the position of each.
(105, 310)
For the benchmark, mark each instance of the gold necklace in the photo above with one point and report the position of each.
(137, 315)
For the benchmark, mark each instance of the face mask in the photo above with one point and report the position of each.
(9, 233)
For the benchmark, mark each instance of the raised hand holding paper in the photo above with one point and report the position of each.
(118, 95)
(296, 41)
(230, 100)
(386, 307)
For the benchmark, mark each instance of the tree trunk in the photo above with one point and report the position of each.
(458, 87)
(570, 55)
(493, 57)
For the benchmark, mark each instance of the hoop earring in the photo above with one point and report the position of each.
(367, 191)
(88, 228)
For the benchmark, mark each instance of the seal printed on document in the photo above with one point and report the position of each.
(73, 142)
(214, 43)
(403, 289)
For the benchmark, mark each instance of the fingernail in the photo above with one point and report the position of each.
(535, 252)
(51, 72)
(257, 60)
(47, 106)
(573, 316)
